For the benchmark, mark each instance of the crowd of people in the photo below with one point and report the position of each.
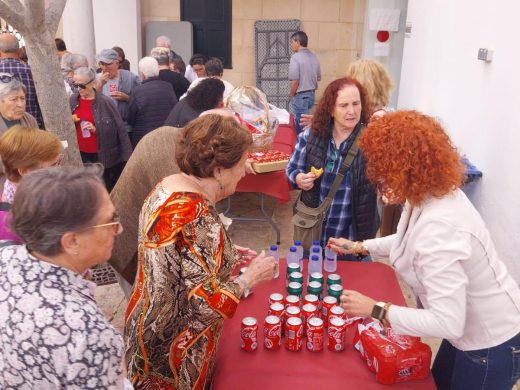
(160, 150)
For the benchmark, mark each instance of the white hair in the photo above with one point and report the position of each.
(163, 41)
(149, 67)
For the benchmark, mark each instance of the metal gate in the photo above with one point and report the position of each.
(272, 54)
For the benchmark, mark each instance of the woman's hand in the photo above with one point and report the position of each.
(341, 246)
(249, 167)
(118, 95)
(260, 270)
(305, 121)
(356, 304)
(305, 181)
(245, 254)
(90, 126)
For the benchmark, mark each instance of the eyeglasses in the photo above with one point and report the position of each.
(116, 223)
(58, 162)
(82, 86)
(332, 161)
(7, 77)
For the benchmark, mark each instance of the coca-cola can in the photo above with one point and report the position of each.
(290, 311)
(326, 305)
(292, 300)
(315, 334)
(294, 335)
(272, 332)
(249, 334)
(336, 334)
(276, 309)
(312, 299)
(275, 298)
(308, 311)
(337, 311)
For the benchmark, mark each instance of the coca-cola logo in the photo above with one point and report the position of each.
(249, 333)
(274, 331)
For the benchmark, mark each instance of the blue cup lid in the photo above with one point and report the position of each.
(274, 247)
(317, 250)
(315, 258)
(316, 242)
(297, 242)
(293, 249)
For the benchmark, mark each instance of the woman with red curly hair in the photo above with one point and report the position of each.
(338, 119)
(444, 252)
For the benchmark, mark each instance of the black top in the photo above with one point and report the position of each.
(179, 83)
(150, 104)
(181, 114)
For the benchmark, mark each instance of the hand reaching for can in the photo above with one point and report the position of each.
(261, 269)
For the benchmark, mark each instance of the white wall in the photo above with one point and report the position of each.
(78, 29)
(118, 23)
(478, 102)
(396, 41)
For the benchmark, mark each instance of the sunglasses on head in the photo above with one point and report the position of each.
(7, 77)
(82, 86)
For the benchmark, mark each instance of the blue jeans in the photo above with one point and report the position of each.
(493, 368)
(301, 103)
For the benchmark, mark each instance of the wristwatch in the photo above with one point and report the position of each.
(245, 286)
(379, 311)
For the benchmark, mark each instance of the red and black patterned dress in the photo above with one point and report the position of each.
(182, 295)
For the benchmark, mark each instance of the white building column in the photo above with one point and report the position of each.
(78, 28)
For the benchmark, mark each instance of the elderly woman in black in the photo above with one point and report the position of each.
(208, 94)
(101, 133)
(52, 333)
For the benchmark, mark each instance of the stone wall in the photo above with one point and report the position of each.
(334, 27)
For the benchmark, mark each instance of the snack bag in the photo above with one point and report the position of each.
(394, 358)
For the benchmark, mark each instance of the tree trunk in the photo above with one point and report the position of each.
(50, 89)
(38, 26)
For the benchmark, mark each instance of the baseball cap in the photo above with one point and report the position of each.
(107, 56)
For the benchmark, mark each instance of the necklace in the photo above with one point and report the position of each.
(196, 182)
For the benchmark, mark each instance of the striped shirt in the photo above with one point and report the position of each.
(338, 218)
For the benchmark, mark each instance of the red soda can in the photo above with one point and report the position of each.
(276, 309)
(315, 334)
(308, 311)
(336, 334)
(290, 311)
(312, 299)
(275, 298)
(292, 300)
(294, 335)
(249, 334)
(337, 311)
(272, 332)
(326, 305)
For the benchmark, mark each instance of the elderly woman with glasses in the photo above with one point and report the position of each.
(12, 103)
(53, 334)
(99, 128)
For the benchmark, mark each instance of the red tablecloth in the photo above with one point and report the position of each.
(281, 369)
(274, 184)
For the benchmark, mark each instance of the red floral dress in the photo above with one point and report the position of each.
(182, 294)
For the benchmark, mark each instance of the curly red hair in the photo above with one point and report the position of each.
(410, 154)
(322, 117)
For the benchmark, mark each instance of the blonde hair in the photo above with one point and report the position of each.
(375, 79)
(25, 147)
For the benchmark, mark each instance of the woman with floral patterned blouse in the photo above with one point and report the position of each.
(184, 290)
(52, 333)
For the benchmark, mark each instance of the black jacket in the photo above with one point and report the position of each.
(150, 104)
(113, 142)
(179, 83)
(181, 114)
(365, 218)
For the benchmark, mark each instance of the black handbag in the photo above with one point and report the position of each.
(308, 221)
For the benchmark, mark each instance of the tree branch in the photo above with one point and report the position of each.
(12, 12)
(53, 14)
(35, 13)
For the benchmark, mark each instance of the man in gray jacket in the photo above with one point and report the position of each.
(116, 83)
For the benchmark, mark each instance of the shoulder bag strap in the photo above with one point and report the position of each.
(347, 162)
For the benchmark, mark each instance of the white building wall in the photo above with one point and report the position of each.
(478, 102)
(78, 28)
(118, 23)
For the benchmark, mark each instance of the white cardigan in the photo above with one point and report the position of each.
(444, 252)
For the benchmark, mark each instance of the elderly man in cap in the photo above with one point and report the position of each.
(116, 83)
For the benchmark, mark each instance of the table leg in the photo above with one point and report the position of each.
(266, 217)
